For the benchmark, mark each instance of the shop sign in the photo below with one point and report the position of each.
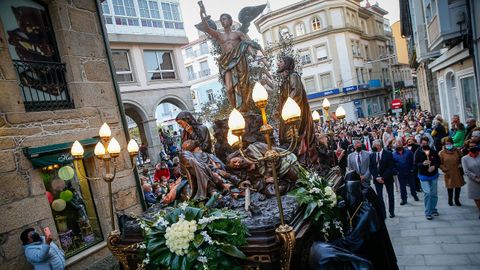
(350, 88)
(324, 93)
(357, 102)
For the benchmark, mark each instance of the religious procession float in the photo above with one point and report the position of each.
(264, 198)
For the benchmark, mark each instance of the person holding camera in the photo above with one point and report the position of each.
(41, 251)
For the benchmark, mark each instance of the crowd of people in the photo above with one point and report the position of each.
(407, 150)
(405, 153)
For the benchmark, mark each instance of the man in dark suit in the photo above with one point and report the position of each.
(381, 168)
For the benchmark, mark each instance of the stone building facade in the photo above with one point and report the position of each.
(56, 88)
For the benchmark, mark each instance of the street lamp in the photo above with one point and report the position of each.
(291, 115)
(326, 106)
(106, 150)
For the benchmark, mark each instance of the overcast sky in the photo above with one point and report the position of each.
(191, 15)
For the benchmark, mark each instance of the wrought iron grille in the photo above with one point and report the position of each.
(43, 85)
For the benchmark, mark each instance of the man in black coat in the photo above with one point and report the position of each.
(381, 169)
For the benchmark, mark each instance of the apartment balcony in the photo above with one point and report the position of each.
(447, 25)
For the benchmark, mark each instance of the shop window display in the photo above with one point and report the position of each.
(72, 207)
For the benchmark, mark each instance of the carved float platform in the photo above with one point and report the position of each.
(263, 249)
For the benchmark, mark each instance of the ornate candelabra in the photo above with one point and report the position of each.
(107, 151)
(340, 113)
(326, 107)
(316, 119)
(291, 115)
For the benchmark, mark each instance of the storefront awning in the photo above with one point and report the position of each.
(56, 153)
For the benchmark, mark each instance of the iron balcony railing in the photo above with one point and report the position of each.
(43, 85)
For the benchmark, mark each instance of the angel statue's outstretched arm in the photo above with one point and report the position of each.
(206, 28)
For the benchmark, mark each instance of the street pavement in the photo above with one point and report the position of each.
(450, 241)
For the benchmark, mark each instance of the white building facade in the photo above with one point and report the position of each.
(339, 42)
(202, 72)
(146, 37)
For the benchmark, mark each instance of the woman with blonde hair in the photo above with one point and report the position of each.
(450, 158)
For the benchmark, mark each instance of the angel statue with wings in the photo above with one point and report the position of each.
(235, 47)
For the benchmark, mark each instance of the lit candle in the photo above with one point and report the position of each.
(290, 109)
(259, 93)
(77, 149)
(236, 121)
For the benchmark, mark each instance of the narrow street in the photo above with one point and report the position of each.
(450, 241)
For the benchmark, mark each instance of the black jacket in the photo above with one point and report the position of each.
(420, 157)
(385, 169)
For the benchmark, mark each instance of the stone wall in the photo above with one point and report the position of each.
(22, 200)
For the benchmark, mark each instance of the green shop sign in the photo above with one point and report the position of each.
(57, 153)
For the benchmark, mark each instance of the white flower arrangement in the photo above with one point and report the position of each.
(179, 235)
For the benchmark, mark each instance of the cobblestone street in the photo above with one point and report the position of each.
(449, 241)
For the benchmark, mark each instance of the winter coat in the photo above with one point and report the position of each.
(43, 256)
(471, 167)
(450, 162)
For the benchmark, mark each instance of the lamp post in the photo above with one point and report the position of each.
(107, 150)
(291, 115)
(326, 107)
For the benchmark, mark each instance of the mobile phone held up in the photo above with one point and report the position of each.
(47, 232)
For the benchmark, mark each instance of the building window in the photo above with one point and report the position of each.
(40, 72)
(191, 73)
(310, 85)
(204, 48)
(428, 13)
(149, 11)
(189, 52)
(204, 69)
(171, 15)
(121, 62)
(72, 206)
(470, 97)
(326, 81)
(316, 24)
(299, 29)
(367, 52)
(321, 52)
(159, 65)
(305, 57)
(210, 95)
(125, 8)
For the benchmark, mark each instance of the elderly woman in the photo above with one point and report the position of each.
(450, 158)
(193, 130)
(471, 167)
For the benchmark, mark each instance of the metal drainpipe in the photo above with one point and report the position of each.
(118, 96)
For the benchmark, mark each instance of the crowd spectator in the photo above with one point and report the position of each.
(450, 158)
(471, 168)
(41, 251)
(427, 162)
(403, 164)
(161, 172)
(359, 161)
(459, 135)
(381, 169)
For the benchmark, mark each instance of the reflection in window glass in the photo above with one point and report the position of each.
(72, 207)
(122, 65)
(470, 97)
(159, 65)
